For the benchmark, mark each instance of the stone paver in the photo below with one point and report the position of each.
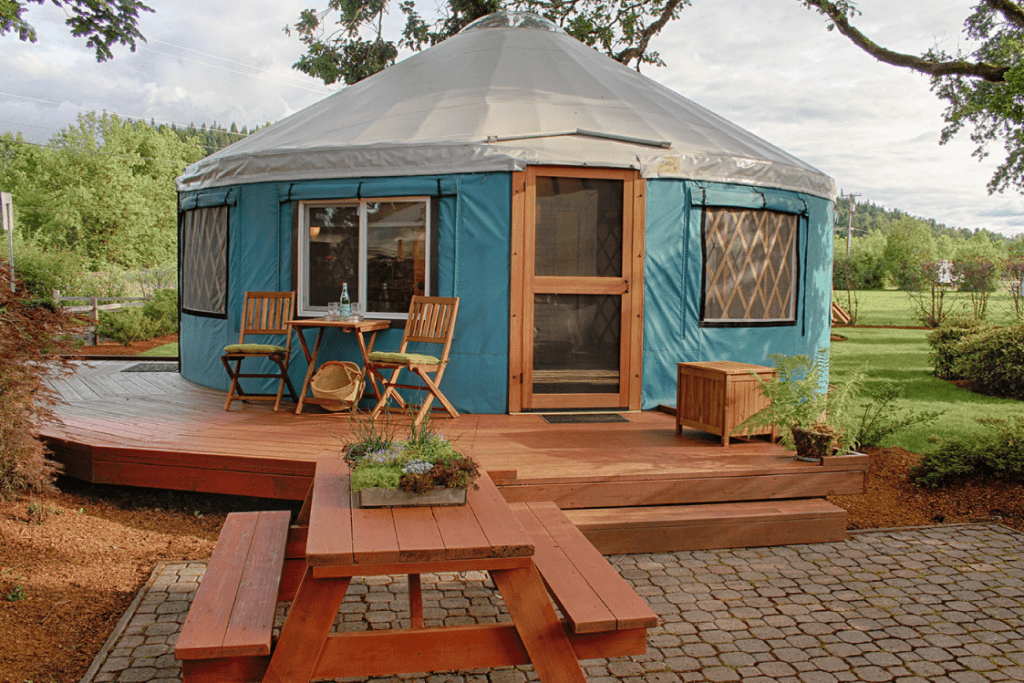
(930, 604)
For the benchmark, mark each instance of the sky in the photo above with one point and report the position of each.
(767, 65)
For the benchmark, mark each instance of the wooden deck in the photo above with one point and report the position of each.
(155, 429)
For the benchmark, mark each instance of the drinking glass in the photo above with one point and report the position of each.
(332, 311)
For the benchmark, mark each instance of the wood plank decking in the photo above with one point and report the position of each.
(155, 429)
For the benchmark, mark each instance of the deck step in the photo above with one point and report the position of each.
(668, 528)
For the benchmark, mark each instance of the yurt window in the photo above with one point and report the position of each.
(379, 247)
(750, 266)
(204, 261)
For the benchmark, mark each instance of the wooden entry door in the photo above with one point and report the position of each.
(576, 331)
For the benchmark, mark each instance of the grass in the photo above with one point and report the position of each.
(165, 350)
(894, 308)
(902, 357)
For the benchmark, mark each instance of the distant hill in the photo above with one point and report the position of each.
(869, 216)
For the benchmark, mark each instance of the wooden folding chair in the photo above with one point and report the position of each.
(431, 321)
(265, 314)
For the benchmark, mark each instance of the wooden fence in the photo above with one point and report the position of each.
(92, 306)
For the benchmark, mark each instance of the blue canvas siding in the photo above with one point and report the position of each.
(474, 215)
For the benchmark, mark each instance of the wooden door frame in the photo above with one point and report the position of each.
(521, 279)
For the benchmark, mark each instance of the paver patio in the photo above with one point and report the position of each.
(943, 604)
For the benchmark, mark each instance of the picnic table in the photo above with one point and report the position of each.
(516, 545)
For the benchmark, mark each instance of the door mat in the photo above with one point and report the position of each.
(152, 367)
(586, 418)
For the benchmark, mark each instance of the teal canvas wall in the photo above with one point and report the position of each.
(673, 276)
(474, 216)
(473, 264)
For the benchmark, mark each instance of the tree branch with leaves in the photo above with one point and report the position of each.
(983, 87)
(345, 41)
(103, 23)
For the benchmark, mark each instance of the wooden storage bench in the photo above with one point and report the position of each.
(227, 634)
(715, 396)
(597, 603)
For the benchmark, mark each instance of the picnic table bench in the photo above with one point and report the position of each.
(259, 560)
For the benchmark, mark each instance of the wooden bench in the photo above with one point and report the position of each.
(227, 635)
(593, 598)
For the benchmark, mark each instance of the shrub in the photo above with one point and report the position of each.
(125, 326)
(31, 333)
(998, 455)
(157, 318)
(978, 277)
(944, 340)
(882, 417)
(42, 271)
(993, 361)
(162, 312)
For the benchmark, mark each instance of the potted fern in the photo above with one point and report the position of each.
(423, 469)
(809, 418)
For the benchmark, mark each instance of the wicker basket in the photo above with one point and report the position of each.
(338, 380)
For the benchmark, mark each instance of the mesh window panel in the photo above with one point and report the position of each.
(579, 227)
(750, 266)
(576, 343)
(204, 261)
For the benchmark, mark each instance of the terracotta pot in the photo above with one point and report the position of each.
(814, 443)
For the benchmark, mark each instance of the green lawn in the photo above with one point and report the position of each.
(895, 308)
(165, 350)
(902, 356)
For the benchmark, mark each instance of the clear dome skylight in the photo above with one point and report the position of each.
(514, 20)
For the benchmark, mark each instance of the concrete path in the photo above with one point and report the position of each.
(940, 604)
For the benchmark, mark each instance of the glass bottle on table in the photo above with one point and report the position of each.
(345, 305)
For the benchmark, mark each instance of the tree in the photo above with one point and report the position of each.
(102, 22)
(1013, 271)
(103, 188)
(983, 86)
(908, 247)
(345, 40)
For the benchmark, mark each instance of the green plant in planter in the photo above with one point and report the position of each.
(808, 418)
(423, 462)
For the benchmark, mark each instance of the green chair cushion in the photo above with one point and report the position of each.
(253, 348)
(410, 358)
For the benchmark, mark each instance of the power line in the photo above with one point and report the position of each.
(235, 71)
(30, 125)
(225, 59)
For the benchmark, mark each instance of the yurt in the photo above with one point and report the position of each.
(597, 227)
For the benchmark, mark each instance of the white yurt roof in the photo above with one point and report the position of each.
(510, 90)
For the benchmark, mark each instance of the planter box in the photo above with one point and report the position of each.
(382, 498)
(853, 458)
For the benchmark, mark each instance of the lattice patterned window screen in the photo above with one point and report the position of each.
(750, 266)
(204, 261)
